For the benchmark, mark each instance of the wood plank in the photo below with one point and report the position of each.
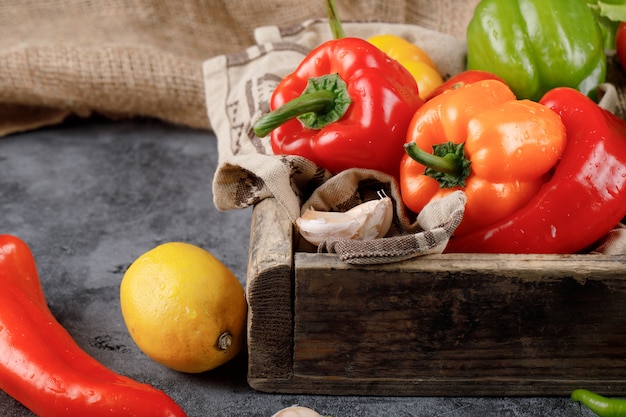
(436, 386)
(269, 290)
(461, 324)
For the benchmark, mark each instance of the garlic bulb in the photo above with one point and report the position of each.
(369, 220)
(296, 411)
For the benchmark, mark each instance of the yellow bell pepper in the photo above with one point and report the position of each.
(413, 58)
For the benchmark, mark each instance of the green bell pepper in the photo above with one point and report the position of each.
(537, 45)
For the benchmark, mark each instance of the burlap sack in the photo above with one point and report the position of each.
(125, 58)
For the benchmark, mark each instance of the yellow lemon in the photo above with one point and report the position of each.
(183, 307)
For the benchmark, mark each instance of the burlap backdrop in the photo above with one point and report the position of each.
(125, 58)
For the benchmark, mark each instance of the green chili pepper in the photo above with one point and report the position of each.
(602, 406)
(537, 45)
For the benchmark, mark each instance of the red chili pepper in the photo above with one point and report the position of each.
(42, 367)
(354, 105)
(585, 197)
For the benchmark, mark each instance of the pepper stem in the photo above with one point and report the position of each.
(316, 102)
(324, 101)
(333, 19)
(447, 164)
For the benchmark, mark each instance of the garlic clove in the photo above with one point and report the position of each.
(375, 217)
(369, 220)
(296, 411)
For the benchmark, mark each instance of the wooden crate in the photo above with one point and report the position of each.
(460, 324)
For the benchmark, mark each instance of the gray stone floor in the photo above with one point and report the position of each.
(92, 195)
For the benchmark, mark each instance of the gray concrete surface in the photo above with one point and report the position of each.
(92, 195)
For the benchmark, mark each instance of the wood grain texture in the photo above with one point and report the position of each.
(456, 324)
(499, 320)
(269, 292)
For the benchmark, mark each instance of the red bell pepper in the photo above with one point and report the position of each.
(42, 367)
(346, 105)
(583, 200)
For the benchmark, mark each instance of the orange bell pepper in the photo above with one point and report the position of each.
(413, 58)
(480, 138)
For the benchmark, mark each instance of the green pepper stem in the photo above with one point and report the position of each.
(324, 101)
(447, 164)
(320, 101)
(333, 18)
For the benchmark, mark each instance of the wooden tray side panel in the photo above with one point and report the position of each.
(497, 325)
(269, 290)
